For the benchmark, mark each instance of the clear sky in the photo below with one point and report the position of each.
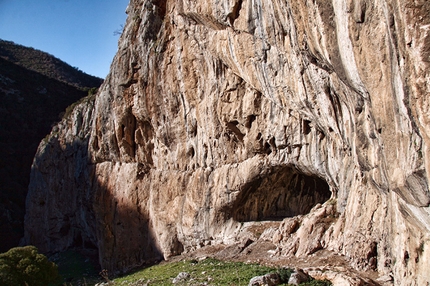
(79, 32)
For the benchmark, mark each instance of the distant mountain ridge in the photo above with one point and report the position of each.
(35, 90)
(47, 65)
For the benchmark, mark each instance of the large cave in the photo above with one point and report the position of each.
(282, 192)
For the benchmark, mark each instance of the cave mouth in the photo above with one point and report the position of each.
(283, 192)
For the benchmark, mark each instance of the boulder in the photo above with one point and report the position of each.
(271, 279)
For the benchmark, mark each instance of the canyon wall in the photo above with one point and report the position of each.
(217, 114)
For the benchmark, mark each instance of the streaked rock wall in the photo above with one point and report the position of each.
(218, 112)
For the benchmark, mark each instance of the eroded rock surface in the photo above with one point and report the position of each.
(217, 114)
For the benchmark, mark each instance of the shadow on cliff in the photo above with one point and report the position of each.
(125, 236)
(83, 209)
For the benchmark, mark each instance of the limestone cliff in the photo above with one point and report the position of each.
(220, 114)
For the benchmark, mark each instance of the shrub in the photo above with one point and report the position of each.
(92, 91)
(284, 274)
(25, 266)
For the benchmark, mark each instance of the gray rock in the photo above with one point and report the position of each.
(271, 279)
(298, 277)
(183, 276)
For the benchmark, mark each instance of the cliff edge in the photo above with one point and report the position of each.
(310, 117)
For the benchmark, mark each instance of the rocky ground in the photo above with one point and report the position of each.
(321, 265)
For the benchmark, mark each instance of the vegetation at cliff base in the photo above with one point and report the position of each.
(78, 267)
(205, 272)
(209, 270)
(25, 266)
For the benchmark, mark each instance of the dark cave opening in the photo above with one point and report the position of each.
(283, 192)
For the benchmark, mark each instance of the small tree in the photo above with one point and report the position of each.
(25, 266)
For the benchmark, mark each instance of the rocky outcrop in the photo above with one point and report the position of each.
(218, 114)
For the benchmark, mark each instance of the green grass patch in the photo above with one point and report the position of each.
(212, 271)
(204, 272)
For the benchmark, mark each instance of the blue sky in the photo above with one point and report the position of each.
(79, 32)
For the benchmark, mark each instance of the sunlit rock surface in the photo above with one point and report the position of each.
(217, 114)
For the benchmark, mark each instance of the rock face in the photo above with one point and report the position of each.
(220, 113)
